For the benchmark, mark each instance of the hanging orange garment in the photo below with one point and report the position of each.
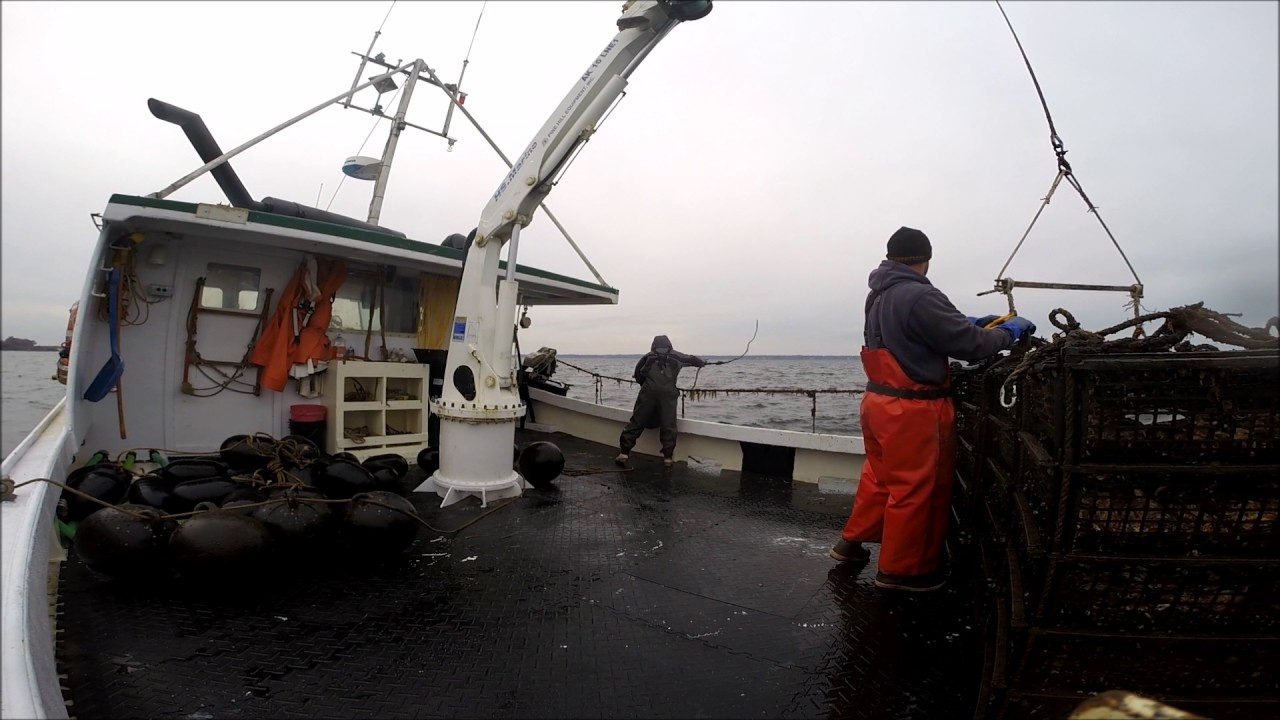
(313, 340)
(278, 347)
(274, 345)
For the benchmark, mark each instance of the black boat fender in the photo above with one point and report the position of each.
(192, 469)
(429, 460)
(152, 490)
(241, 497)
(108, 483)
(219, 544)
(190, 493)
(115, 541)
(380, 523)
(341, 479)
(293, 521)
(244, 453)
(391, 461)
(541, 463)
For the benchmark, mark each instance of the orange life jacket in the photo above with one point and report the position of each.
(278, 348)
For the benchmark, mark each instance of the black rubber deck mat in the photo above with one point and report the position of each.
(641, 593)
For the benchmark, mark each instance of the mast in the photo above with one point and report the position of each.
(393, 138)
(415, 71)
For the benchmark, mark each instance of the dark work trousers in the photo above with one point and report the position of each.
(652, 410)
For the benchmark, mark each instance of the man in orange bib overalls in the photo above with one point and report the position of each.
(908, 420)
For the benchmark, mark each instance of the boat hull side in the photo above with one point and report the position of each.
(29, 687)
(817, 457)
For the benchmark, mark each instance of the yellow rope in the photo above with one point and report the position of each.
(1002, 320)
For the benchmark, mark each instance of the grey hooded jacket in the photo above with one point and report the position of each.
(657, 371)
(921, 328)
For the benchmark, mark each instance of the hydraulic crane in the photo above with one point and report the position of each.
(480, 404)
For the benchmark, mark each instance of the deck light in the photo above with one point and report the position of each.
(385, 85)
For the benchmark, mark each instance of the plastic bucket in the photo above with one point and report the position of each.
(308, 421)
(307, 413)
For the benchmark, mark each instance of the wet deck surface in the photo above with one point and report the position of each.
(646, 593)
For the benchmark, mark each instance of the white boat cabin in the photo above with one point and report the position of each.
(180, 350)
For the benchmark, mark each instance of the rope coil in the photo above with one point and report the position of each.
(1180, 322)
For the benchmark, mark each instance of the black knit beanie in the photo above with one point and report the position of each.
(909, 246)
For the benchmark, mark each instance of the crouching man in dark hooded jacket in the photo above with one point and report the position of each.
(656, 404)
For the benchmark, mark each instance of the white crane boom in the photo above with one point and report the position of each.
(479, 403)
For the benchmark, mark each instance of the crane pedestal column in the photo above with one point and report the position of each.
(476, 444)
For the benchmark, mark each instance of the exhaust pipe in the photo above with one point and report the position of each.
(209, 150)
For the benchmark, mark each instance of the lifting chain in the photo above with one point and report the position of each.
(1006, 285)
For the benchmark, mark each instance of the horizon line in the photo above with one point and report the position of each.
(709, 355)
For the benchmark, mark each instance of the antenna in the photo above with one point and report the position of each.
(356, 80)
(462, 97)
(378, 170)
(413, 74)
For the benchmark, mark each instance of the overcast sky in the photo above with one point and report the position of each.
(758, 164)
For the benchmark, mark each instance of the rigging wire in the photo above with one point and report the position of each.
(1064, 167)
(376, 34)
(457, 89)
(396, 94)
(473, 35)
(376, 121)
(384, 18)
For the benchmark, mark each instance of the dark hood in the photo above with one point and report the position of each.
(892, 273)
(660, 341)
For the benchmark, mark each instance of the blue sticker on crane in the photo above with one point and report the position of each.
(460, 329)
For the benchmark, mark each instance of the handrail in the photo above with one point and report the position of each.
(702, 393)
(15, 455)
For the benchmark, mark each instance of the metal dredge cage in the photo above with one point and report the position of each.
(1126, 503)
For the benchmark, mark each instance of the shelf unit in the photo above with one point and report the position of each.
(384, 403)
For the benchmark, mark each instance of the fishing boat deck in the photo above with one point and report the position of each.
(641, 593)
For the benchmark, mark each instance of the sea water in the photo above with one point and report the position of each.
(835, 413)
(30, 392)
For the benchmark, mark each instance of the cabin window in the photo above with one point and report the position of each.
(354, 299)
(231, 287)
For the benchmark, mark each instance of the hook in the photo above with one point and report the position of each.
(1008, 395)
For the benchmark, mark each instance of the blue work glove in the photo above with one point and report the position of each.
(1017, 327)
(983, 321)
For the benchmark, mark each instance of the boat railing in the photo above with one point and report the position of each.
(695, 393)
